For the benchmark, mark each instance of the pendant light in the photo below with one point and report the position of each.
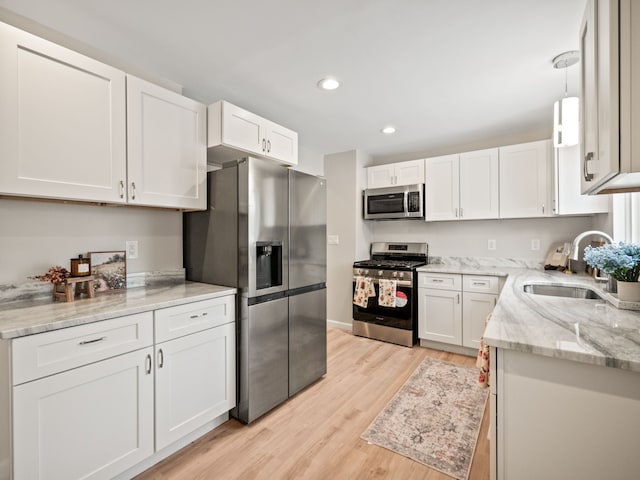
(565, 110)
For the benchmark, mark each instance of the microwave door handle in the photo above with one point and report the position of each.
(405, 202)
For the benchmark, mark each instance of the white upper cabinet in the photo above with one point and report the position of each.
(566, 184)
(62, 122)
(525, 180)
(402, 173)
(479, 184)
(167, 147)
(609, 109)
(462, 187)
(442, 195)
(74, 128)
(233, 132)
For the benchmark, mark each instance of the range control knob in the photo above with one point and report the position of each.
(380, 273)
(359, 271)
(401, 274)
(394, 274)
(366, 272)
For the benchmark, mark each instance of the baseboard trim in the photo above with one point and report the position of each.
(340, 325)
(469, 352)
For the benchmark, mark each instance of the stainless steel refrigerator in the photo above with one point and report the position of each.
(245, 240)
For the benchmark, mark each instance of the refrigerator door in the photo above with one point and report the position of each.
(263, 358)
(307, 230)
(307, 338)
(262, 228)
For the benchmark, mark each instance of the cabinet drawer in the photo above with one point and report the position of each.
(43, 354)
(174, 322)
(480, 284)
(444, 281)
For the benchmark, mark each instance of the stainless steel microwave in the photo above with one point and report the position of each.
(399, 202)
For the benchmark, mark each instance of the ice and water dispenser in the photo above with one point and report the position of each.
(268, 264)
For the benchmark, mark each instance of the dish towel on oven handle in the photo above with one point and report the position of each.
(364, 289)
(483, 358)
(387, 295)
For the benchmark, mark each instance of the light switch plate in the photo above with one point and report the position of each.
(535, 244)
(333, 240)
(132, 249)
(491, 244)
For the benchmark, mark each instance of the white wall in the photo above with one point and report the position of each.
(35, 235)
(310, 162)
(469, 238)
(345, 179)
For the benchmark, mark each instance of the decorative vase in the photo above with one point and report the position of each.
(628, 291)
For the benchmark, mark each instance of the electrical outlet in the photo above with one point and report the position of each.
(333, 240)
(535, 244)
(491, 244)
(132, 249)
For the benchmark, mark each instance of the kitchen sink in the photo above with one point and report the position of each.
(560, 291)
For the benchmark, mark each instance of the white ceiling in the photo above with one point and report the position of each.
(444, 72)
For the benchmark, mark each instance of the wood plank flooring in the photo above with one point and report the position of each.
(316, 434)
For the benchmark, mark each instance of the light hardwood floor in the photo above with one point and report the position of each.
(316, 434)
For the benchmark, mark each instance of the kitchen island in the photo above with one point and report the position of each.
(107, 386)
(565, 379)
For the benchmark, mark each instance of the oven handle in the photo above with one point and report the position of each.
(400, 283)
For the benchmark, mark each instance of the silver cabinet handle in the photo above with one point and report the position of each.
(133, 190)
(160, 359)
(264, 144)
(437, 280)
(268, 145)
(460, 212)
(121, 188)
(458, 298)
(543, 209)
(147, 362)
(87, 342)
(495, 302)
(203, 314)
(587, 176)
(479, 284)
(456, 212)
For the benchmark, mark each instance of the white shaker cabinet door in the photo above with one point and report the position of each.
(475, 309)
(167, 147)
(442, 188)
(479, 184)
(525, 180)
(62, 122)
(380, 176)
(241, 128)
(195, 382)
(281, 143)
(91, 422)
(440, 315)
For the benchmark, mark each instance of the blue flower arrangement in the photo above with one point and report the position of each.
(621, 261)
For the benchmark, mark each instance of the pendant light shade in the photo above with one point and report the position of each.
(565, 111)
(565, 122)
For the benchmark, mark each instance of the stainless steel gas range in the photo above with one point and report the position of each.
(385, 292)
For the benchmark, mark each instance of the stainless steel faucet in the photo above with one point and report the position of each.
(575, 254)
(575, 247)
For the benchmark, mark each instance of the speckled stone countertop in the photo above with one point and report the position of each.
(583, 330)
(18, 319)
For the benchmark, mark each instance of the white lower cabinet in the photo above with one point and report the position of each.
(90, 422)
(95, 400)
(195, 382)
(453, 308)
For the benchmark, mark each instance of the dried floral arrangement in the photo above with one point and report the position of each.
(55, 274)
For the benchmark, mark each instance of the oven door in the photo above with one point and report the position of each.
(401, 316)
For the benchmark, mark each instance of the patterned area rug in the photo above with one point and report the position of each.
(434, 418)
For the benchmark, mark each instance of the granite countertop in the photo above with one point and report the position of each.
(583, 330)
(36, 316)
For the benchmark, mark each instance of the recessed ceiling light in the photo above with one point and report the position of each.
(328, 83)
(388, 130)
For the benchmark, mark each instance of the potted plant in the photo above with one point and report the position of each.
(622, 262)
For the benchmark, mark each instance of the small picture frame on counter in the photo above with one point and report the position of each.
(109, 269)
